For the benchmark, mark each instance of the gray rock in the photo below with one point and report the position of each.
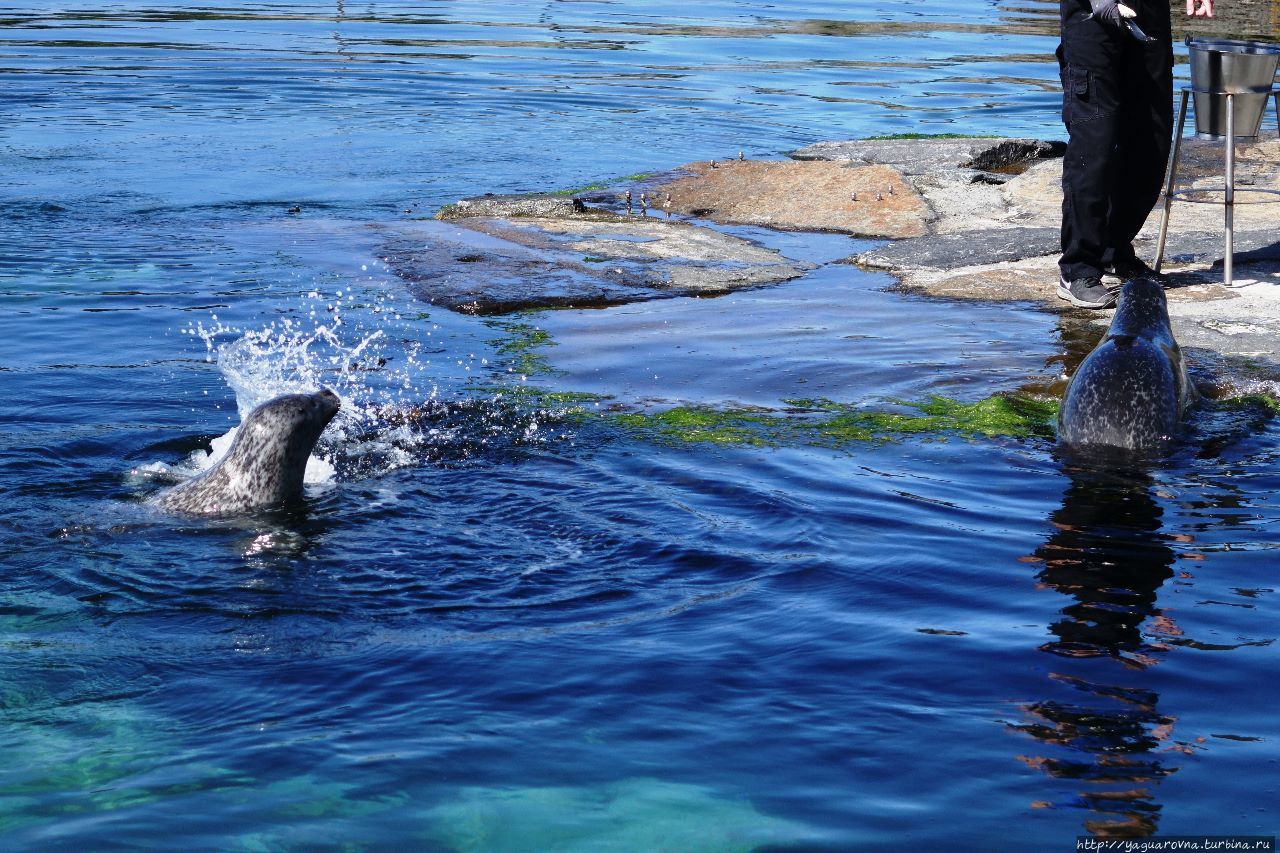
(1199, 247)
(466, 271)
(645, 238)
(1253, 339)
(923, 156)
(1011, 153)
(497, 266)
(1257, 247)
(648, 253)
(990, 215)
(1239, 323)
(953, 251)
(911, 156)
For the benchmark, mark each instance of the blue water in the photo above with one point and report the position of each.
(504, 627)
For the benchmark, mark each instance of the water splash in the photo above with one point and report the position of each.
(388, 368)
(363, 349)
(1263, 389)
(336, 343)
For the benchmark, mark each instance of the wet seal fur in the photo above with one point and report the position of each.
(1131, 392)
(266, 462)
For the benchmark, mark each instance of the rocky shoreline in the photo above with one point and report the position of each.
(968, 219)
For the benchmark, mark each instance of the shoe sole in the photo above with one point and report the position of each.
(1065, 293)
(1156, 276)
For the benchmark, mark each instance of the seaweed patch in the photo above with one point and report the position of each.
(824, 422)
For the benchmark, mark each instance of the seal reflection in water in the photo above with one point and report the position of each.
(266, 462)
(1131, 392)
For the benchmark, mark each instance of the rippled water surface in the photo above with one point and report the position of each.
(519, 610)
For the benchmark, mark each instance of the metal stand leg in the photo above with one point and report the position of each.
(1228, 259)
(1276, 98)
(1169, 176)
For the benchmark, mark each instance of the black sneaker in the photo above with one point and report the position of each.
(1131, 269)
(1087, 292)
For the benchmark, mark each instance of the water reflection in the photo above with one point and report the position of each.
(1109, 555)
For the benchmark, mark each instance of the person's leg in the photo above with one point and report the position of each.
(1145, 135)
(1091, 62)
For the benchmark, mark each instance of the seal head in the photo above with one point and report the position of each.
(1132, 391)
(266, 462)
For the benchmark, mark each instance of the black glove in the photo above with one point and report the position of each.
(1116, 14)
(1108, 11)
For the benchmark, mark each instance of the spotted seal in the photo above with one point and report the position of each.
(266, 462)
(1131, 392)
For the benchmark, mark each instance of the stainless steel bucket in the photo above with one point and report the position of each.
(1245, 69)
(1211, 114)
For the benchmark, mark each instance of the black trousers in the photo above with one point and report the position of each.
(1117, 104)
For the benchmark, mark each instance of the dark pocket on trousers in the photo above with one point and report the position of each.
(1079, 95)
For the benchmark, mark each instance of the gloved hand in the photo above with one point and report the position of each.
(1111, 12)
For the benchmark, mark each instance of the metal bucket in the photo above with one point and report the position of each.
(1211, 114)
(1246, 69)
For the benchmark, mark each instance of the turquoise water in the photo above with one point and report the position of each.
(503, 621)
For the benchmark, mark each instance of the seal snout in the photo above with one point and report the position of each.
(329, 403)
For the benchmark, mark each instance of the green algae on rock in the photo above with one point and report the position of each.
(564, 404)
(518, 345)
(705, 425)
(827, 423)
(1267, 401)
(999, 415)
(816, 421)
(1260, 402)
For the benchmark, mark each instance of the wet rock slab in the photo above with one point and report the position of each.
(951, 251)
(1026, 280)
(1255, 160)
(870, 200)
(513, 206)
(498, 266)
(472, 273)
(969, 219)
(507, 253)
(1243, 322)
(925, 156)
(967, 185)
